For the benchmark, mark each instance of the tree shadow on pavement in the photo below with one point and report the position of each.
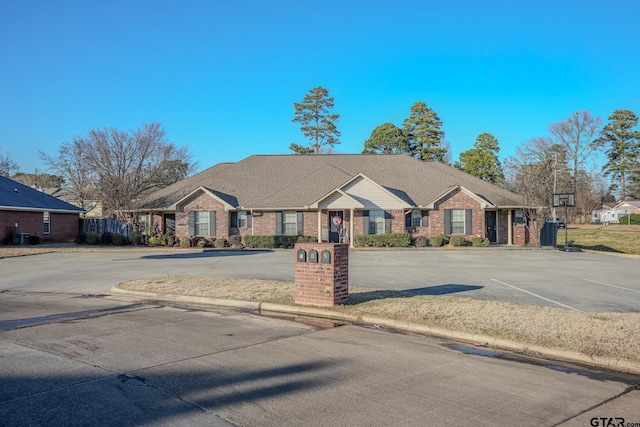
(446, 289)
(212, 253)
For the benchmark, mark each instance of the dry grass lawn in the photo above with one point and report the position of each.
(608, 335)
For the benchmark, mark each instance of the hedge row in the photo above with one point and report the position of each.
(270, 242)
(395, 240)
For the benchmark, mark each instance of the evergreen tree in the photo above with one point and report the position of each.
(423, 133)
(386, 139)
(482, 160)
(316, 123)
(622, 144)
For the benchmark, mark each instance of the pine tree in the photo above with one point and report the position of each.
(423, 133)
(316, 123)
(482, 160)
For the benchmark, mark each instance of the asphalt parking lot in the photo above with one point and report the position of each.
(78, 360)
(577, 281)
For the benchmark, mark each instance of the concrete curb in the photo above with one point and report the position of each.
(488, 341)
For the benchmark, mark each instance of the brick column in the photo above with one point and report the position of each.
(321, 281)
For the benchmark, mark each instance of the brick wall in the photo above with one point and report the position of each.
(503, 227)
(322, 284)
(64, 227)
(397, 221)
(202, 202)
(457, 200)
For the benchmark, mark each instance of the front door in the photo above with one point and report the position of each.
(335, 225)
(491, 224)
(170, 223)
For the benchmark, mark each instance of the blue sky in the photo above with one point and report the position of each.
(222, 76)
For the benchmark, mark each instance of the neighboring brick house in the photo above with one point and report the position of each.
(29, 211)
(332, 197)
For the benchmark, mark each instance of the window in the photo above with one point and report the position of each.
(141, 224)
(244, 220)
(457, 221)
(201, 223)
(46, 224)
(416, 218)
(289, 223)
(376, 222)
(519, 216)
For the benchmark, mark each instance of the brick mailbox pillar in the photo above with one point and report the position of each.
(321, 274)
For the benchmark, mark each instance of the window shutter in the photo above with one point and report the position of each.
(191, 220)
(300, 226)
(447, 221)
(365, 222)
(468, 227)
(234, 219)
(278, 223)
(387, 222)
(249, 220)
(407, 219)
(425, 219)
(212, 223)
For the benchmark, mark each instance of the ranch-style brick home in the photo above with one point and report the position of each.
(334, 197)
(25, 211)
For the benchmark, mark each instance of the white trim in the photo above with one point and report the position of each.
(401, 203)
(23, 209)
(484, 204)
(227, 206)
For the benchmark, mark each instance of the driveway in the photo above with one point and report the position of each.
(73, 360)
(578, 281)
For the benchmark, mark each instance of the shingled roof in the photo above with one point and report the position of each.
(298, 181)
(17, 196)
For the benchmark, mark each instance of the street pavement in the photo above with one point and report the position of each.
(74, 359)
(576, 281)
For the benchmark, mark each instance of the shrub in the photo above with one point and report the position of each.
(107, 238)
(136, 238)
(185, 242)
(93, 239)
(235, 241)
(170, 239)
(457, 241)
(220, 243)
(480, 242)
(436, 241)
(633, 219)
(81, 239)
(157, 241)
(120, 239)
(269, 242)
(259, 241)
(201, 242)
(420, 242)
(398, 240)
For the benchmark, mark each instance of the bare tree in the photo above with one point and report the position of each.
(7, 166)
(578, 135)
(122, 166)
(533, 174)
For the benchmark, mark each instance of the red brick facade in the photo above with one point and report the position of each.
(457, 199)
(319, 283)
(202, 202)
(64, 227)
(264, 222)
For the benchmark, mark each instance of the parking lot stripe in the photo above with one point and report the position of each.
(613, 286)
(536, 295)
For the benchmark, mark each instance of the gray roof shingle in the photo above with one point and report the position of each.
(296, 181)
(17, 196)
